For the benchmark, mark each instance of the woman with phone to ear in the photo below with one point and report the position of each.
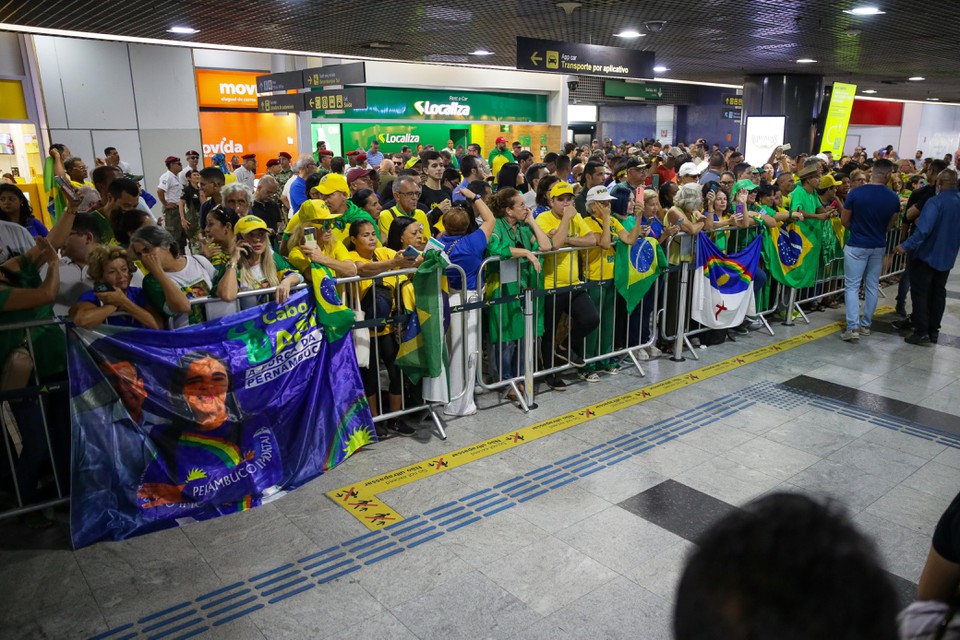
(111, 268)
(254, 265)
(220, 235)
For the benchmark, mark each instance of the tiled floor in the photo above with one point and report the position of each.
(594, 552)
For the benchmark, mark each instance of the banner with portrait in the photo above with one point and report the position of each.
(173, 427)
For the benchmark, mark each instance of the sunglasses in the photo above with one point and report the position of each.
(325, 225)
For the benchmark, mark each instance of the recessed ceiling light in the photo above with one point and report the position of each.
(869, 91)
(934, 99)
(183, 30)
(916, 78)
(805, 60)
(864, 11)
(629, 33)
(660, 69)
(481, 52)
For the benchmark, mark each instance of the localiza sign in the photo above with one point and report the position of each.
(429, 104)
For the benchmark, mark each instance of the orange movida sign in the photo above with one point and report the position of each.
(227, 89)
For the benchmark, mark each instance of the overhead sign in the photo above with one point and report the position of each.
(632, 90)
(282, 103)
(838, 118)
(280, 82)
(330, 76)
(336, 99)
(459, 106)
(227, 89)
(726, 113)
(588, 59)
(333, 75)
(732, 100)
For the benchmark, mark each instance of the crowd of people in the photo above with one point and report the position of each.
(220, 231)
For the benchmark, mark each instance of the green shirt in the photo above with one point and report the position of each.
(49, 345)
(805, 202)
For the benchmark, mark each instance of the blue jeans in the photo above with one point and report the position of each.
(861, 265)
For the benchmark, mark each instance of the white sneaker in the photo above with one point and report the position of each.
(850, 336)
(654, 352)
(641, 355)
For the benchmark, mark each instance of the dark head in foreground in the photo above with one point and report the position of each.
(785, 567)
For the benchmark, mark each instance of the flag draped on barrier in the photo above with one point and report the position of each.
(423, 349)
(792, 253)
(206, 421)
(636, 268)
(335, 317)
(723, 284)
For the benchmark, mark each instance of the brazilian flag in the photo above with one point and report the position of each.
(423, 349)
(335, 317)
(50, 186)
(636, 268)
(792, 252)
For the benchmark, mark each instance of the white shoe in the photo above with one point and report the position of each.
(654, 352)
(641, 355)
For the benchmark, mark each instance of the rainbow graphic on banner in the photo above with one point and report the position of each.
(228, 452)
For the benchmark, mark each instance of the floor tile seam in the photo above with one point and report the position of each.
(381, 544)
(871, 416)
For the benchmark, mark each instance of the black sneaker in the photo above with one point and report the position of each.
(740, 331)
(382, 433)
(901, 309)
(902, 325)
(572, 357)
(400, 428)
(918, 338)
(934, 336)
(556, 383)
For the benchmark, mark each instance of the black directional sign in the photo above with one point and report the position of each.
(338, 74)
(281, 103)
(336, 99)
(280, 81)
(327, 100)
(333, 75)
(585, 59)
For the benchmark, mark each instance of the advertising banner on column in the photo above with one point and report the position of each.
(838, 118)
(393, 137)
(236, 133)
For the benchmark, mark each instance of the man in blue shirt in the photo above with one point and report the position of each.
(374, 157)
(470, 169)
(867, 213)
(934, 246)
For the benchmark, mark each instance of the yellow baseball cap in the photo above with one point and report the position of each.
(316, 210)
(246, 224)
(412, 162)
(331, 183)
(561, 189)
(828, 181)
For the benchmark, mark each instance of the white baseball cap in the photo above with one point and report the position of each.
(689, 169)
(599, 194)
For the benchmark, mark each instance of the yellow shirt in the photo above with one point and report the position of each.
(380, 254)
(564, 270)
(387, 216)
(301, 262)
(600, 261)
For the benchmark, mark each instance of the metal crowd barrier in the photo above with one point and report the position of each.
(830, 277)
(620, 331)
(22, 442)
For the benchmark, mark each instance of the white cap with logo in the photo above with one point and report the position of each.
(599, 194)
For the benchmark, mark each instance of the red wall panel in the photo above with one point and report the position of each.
(877, 113)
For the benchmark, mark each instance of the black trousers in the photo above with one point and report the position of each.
(583, 318)
(928, 292)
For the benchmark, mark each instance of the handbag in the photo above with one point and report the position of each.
(361, 337)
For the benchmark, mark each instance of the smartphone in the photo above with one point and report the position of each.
(411, 252)
(245, 251)
(310, 237)
(785, 147)
(715, 187)
(655, 182)
(68, 189)
(102, 287)
(739, 211)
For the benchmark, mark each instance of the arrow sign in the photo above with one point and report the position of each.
(535, 59)
(552, 56)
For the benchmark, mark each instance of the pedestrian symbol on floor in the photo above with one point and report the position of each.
(439, 463)
(515, 438)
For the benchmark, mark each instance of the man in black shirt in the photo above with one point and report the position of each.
(265, 204)
(435, 196)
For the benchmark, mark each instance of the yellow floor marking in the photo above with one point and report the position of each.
(360, 498)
